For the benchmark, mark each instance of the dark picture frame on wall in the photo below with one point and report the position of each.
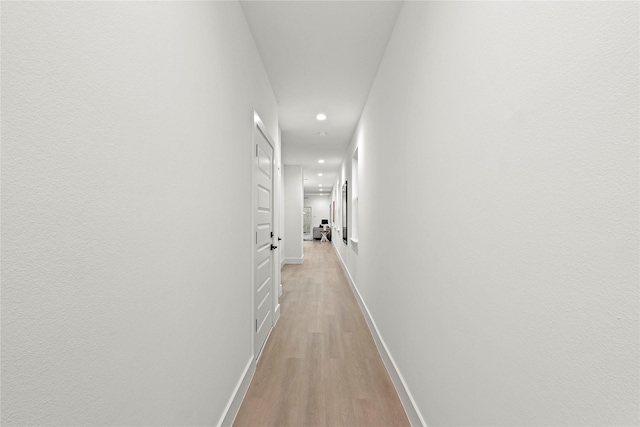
(344, 213)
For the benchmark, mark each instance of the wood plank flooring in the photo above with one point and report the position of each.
(320, 366)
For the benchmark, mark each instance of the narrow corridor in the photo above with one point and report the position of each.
(320, 367)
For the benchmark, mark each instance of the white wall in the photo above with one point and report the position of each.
(499, 247)
(126, 173)
(293, 204)
(319, 208)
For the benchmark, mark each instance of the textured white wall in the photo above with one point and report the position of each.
(293, 204)
(499, 242)
(126, 147)
(319, 208)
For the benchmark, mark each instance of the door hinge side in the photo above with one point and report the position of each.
(256, 325)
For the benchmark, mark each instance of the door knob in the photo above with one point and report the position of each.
(273, 247)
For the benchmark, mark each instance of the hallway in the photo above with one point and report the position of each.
(320, 366)
(477, 163)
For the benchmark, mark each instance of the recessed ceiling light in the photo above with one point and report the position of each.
(322, 134)
(320, 161)
(319, 174)
(319, 185)
(321, 116)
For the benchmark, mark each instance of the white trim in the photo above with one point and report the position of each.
(294, 260)
(354, 240)
(233, 406)
(276, 315)
(281, 264)
(280, 291)
(410, 407)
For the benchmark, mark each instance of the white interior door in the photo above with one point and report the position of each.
(263, 248)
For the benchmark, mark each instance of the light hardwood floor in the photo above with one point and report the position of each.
(320, 367)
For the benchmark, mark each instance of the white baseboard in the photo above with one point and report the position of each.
(409, 404)
(276, 315)
(281, 262)
(294, 260)
(230, 412)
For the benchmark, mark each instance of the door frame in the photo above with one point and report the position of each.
(257, 129)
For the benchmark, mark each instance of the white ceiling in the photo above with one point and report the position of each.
(321, 56)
